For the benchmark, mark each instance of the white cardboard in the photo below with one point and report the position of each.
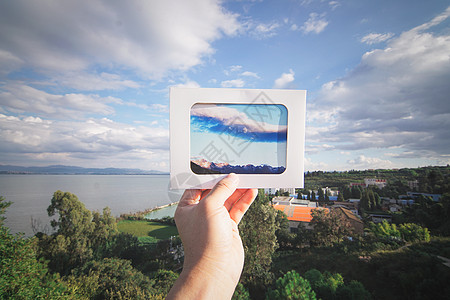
(181, 101)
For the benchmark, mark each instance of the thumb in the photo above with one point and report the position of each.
(221, 191)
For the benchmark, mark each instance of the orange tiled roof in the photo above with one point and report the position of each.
(296, 212)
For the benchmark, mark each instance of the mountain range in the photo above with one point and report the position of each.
(204, 167)
(61, 169)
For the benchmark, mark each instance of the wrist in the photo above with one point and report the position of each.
(203, 280)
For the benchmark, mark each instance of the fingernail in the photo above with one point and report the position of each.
(233, 177)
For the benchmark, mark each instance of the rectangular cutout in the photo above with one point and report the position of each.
(238, 138)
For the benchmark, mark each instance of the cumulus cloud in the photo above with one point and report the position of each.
(73, 36)
(362, 162)
(395, 97)
(285, 80)
(20, 98)
(77, 141)
(315, 24)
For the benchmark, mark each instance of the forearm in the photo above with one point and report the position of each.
(202, 282)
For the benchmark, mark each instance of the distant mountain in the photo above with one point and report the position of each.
(200, 167)
(60, 169)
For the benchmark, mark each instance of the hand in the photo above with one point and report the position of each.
(207, 221)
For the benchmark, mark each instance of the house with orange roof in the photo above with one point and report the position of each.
(297, 214)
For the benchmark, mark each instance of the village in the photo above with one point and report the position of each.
(298, 207)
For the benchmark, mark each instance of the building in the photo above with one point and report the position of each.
(297, 214)
(413, 185)
(378, 218)
(380, 183)
(355, 222)
(271, 191)
(414, 195)
(351, 206)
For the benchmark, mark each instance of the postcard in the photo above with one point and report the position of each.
(258, 134)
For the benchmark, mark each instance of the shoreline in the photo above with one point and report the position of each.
(141, 214)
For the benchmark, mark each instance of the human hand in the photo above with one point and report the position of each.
(207, 221)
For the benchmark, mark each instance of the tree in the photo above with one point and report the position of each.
(332, 286)
(291, 286)
(80, 235)
(111, 278)
(329, 227)
(321, 195)
(22, 275)
(411, 232)
(356, 192)
(313, 196)
(347, 193)
(257, 229)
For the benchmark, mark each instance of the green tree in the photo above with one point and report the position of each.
(313, 196)
(257, 229)
(291, 286)
(329, 228)
(321, 195)
(22, 275)
(241, 293)
(80, 235)
(347, 193)
(111, 278)
(411, 232)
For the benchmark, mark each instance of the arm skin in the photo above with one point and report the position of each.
(207, 221)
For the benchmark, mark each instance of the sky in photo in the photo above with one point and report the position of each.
(86, 83)
(239, 134)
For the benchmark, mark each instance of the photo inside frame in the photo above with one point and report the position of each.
(238, 138)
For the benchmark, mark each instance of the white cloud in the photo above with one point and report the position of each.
(232, 83)
(81, 35)
(375, 38)
(80, 143)
(315, 24)
(396, 97)
(334, 4)
(94, 82)
(250, 74)
(285, 80)
(263, 31)
(19, 98)
(362, 163)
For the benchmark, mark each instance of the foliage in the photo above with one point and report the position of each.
(80, 235)
(329, 227)
(22, 275)
(433, 215)
(385, 230)
(241, 293)
(332, 286)
(257, 229)
(110, 278)
(291, 286)
(3, 206)
(411, 232)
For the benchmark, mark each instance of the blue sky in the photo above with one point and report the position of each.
(239, 134)
(86, 82)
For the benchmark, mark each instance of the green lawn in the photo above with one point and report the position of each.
(145, 229)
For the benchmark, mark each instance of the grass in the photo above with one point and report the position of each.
(146, 230)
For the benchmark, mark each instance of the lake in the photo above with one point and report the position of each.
(31, 195)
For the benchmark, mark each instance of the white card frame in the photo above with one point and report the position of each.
(181, 101)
